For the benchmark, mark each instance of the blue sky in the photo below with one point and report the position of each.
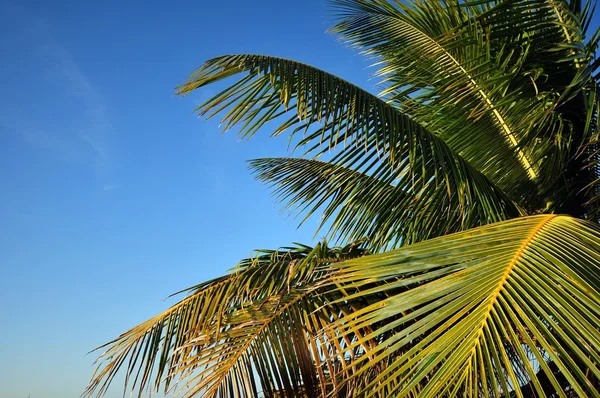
(114, 194)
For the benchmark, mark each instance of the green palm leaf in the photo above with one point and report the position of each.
(377, 137)
(484, 76)
(484, 312)
(356, 204)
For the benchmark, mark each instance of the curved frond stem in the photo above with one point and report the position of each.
(568, 37)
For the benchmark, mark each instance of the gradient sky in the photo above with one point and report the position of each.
(114, 194)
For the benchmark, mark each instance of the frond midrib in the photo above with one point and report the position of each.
(509, 135)
(511, 265)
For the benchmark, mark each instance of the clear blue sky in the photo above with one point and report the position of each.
(114, 194)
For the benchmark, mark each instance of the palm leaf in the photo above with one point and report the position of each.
(356, 204)
(211, 329)
(484, 312)
(485, 76)
(377, 137)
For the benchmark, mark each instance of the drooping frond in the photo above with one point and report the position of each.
(507, 309)
(355, 204)
(378, 138)
(214, 337)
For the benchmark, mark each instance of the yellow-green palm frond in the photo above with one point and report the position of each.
(210, 341)
(508, 309)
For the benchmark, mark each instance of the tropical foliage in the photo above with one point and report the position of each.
(462, 203)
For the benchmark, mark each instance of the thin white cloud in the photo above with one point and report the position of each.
(78, 85)
(83, 140)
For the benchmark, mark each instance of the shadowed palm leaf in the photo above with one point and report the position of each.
(488, 79)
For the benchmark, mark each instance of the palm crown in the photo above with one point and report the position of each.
(455, 275)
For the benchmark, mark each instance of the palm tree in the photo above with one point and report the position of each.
(463, 201)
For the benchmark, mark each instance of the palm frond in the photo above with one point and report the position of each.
(486, 312)
(487, 77)
(356, 204)
(257, 337)
(225, 320)
(377, 137)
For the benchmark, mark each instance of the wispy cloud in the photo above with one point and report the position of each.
(83, 138)
(63, 66)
